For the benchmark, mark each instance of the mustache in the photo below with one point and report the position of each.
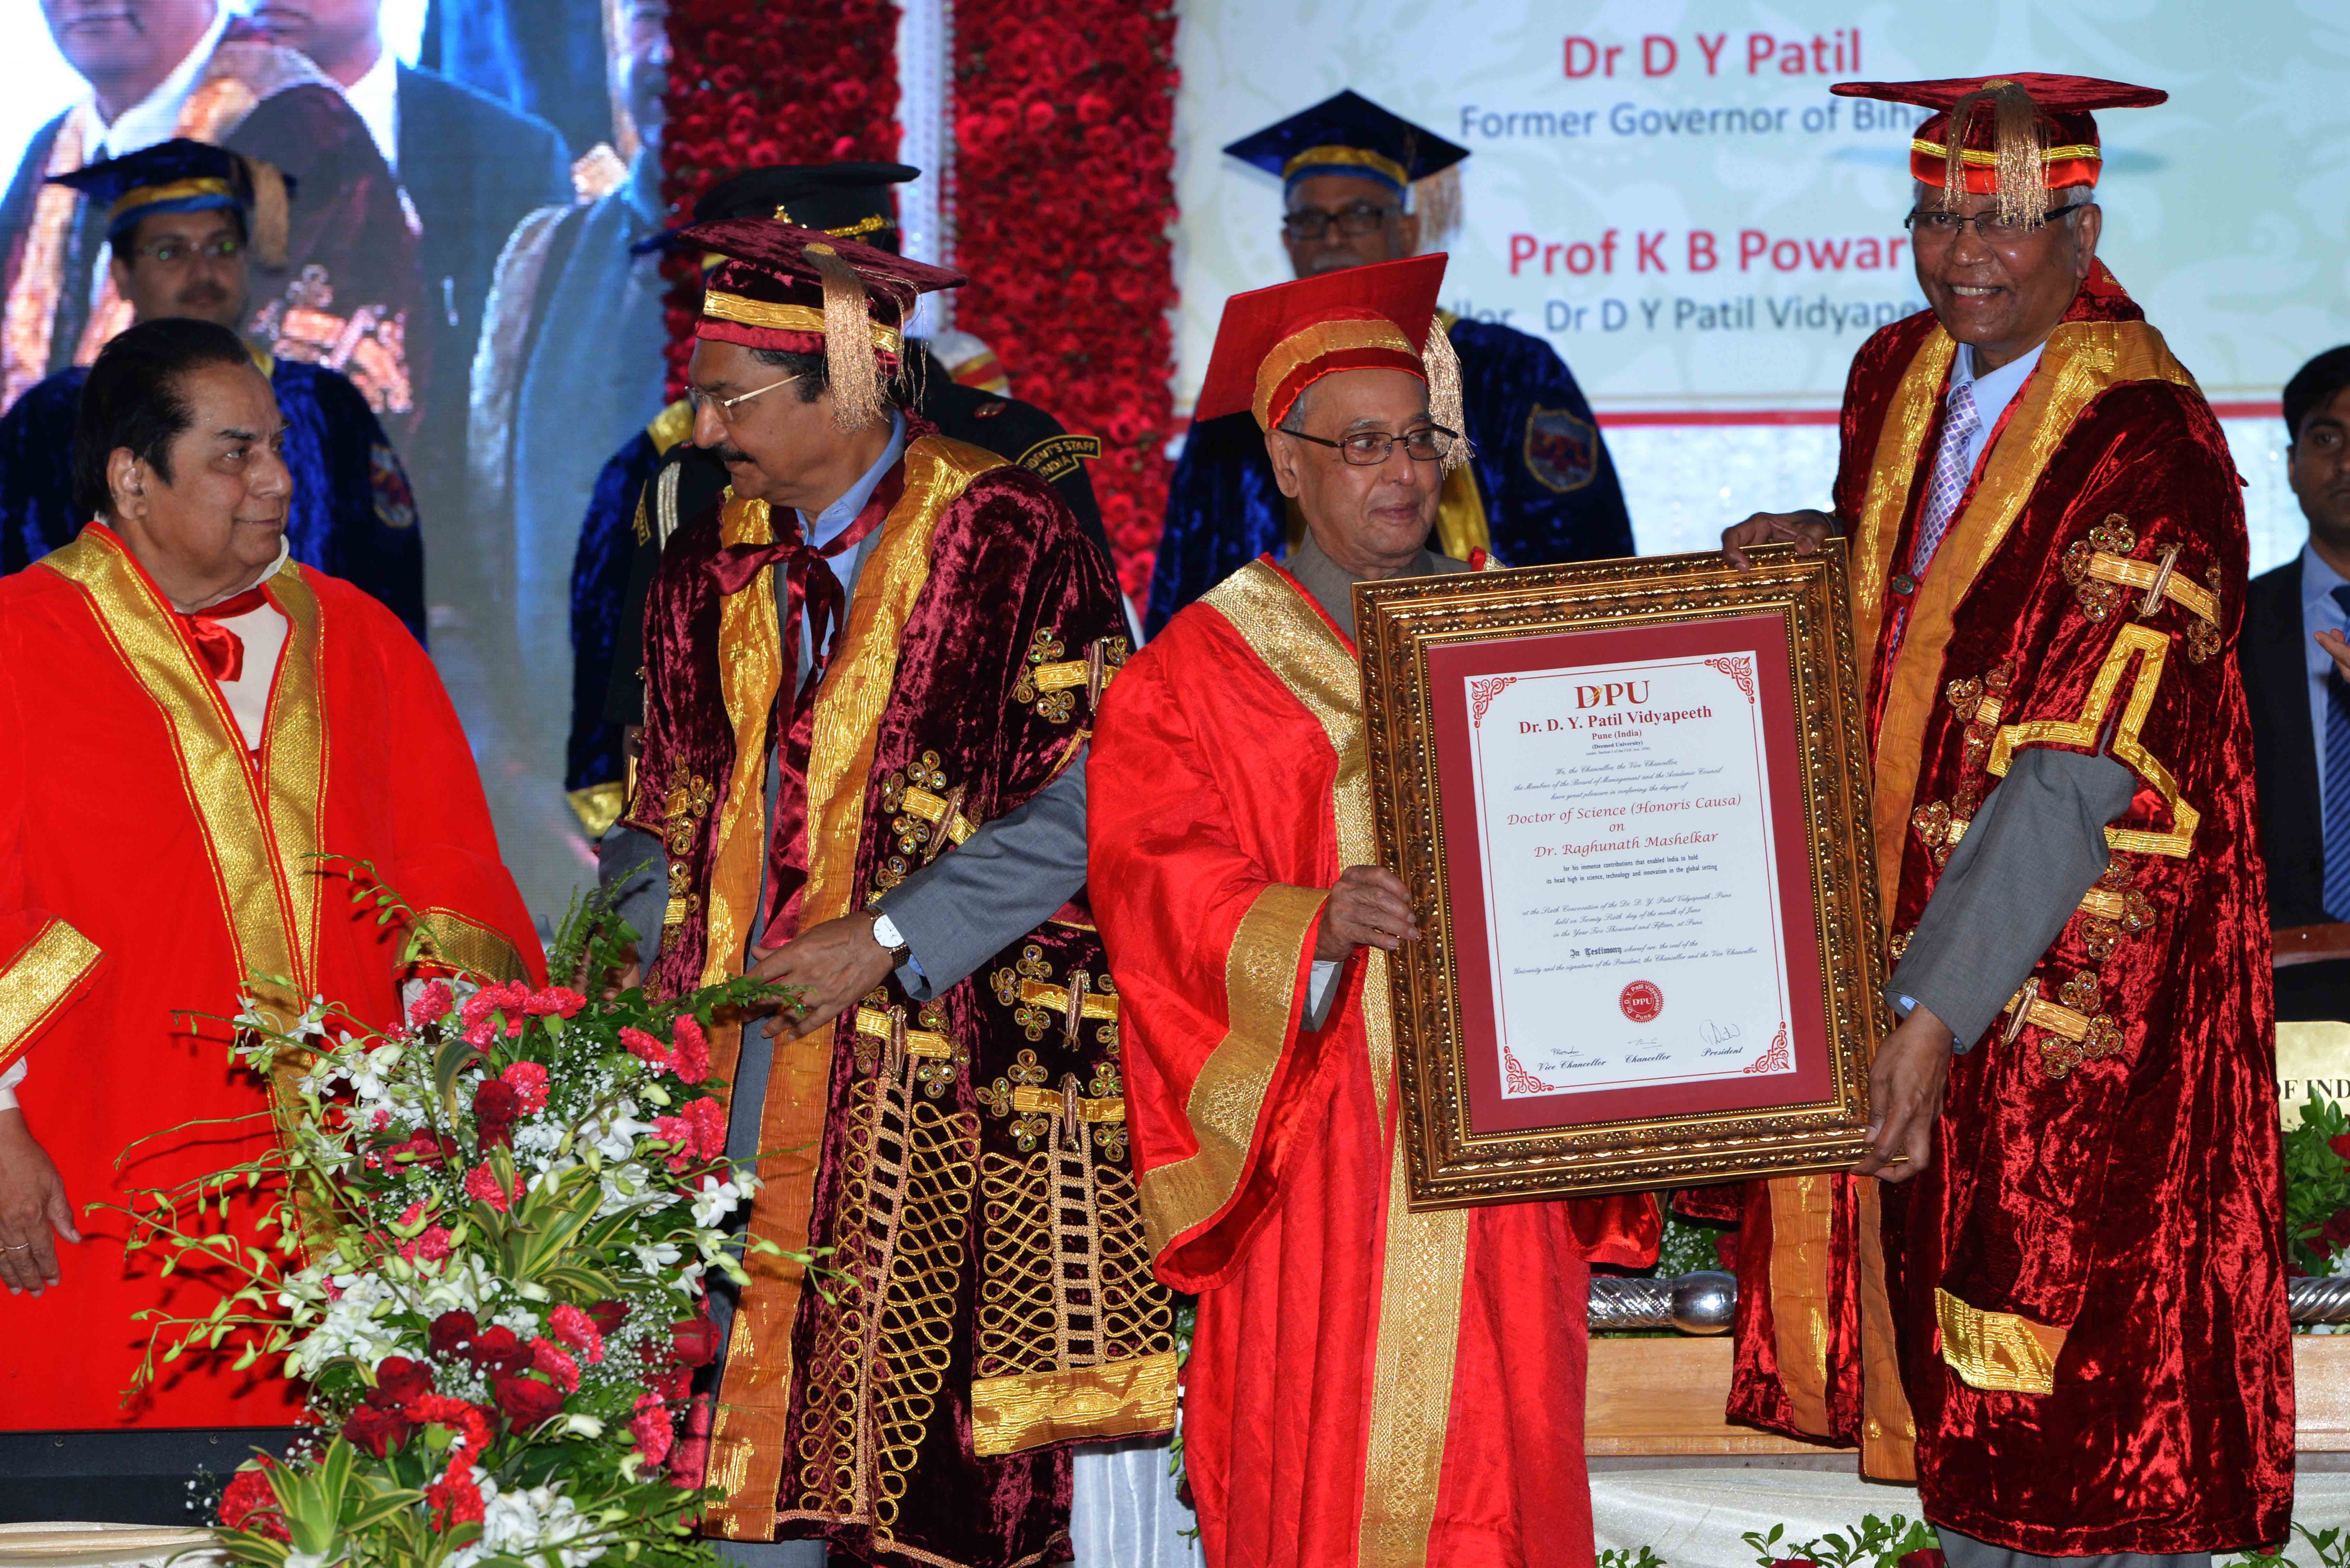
(727, 451)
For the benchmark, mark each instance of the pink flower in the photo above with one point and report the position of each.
(482, 1184)
(549, 1357)
(433, 1004)
(412, 1214)
(382, 1120)
(577, 1329)
(649, 1425)
(528, 1081)
(690, 1059)
(644, 1046)
(705, 1122)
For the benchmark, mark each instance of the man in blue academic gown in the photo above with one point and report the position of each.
(179, 217)
(1362, 185)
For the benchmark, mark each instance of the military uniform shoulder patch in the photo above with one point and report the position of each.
(1562, 449)
(395, 507)
(1055, 458)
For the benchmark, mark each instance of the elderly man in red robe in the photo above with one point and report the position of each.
(1367, 1384)
(190, 723)
(2054, 1289)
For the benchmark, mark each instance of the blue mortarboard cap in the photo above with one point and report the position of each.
(175, 176)
(1349, 135)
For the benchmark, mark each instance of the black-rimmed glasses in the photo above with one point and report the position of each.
(1368, 448)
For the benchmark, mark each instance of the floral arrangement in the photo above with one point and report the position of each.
(492, 1230)
(2317, 1189)
(750, 87)
(1072, 278)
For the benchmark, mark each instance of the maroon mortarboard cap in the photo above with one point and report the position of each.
(2020, 134)
(1273, 343)
(802, 291)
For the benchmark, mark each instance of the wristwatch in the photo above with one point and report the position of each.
(885, 933)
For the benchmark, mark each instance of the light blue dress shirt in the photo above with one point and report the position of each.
(829, 524)
(1994, 392)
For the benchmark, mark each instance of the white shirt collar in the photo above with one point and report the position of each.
(375, 98)
(156, 117)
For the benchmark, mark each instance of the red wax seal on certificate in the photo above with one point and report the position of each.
(1641, 1001)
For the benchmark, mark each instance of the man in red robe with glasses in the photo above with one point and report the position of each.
(189, 724)
(2054, 1291)
(1367, 1384)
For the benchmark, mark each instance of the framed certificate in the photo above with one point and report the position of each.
(1635, 798)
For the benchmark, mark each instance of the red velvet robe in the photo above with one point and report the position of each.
(149, 863)
(2083, 1297)
(1367, 1385)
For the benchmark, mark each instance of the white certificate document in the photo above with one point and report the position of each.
(1631, 876)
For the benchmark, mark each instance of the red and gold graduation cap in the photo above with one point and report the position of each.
(802, 291)
(2017, 137)
(1273, 343)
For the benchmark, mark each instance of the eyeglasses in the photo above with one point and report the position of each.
(1308, 225)
(1946, 226)
(173, 253)
(1368, 448)
(700, 400)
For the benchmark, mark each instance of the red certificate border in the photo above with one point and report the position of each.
(1450, 666)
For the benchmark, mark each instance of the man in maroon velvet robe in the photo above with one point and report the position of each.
(2073, 1309)
(944, 1113)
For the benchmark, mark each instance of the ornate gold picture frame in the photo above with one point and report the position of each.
(1633, 799)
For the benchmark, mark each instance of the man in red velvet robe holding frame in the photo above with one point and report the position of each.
(1368, 1386)
(2072, 1306)
(188, 722)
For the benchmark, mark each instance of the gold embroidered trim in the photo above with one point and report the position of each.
(876, 1024)
(1891, 471)
(670, 428)
(2132, 573)
(1348, 157)
(1801, 1214)
(35, 981)
(1424, 1255)
(2127, 747)
(749, 1440)
(31, 321)
(933, 808)
(1030, 1100)
(1090, 1003)
(1318, 341)
(598, 806)
(720, 305)
(1119, 1399)
(1997, 1351)
(462, 943)
(751, 673)
(1978, 158)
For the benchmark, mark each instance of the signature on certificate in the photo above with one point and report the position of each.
(1715, 1034)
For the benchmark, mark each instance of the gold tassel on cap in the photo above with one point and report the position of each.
(1443, 367)
(848, 341)
(1436, 201)
(272, 217)
(2019, 173)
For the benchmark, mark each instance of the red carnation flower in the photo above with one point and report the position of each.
(644, 1046)
(548, 1357)
(577, 1329)
(398, 1380)
(495, 1106)
(429, 1247)
(379, 1431)
(469, 1423)
(705, 1122)
(689, 1058)
(650, 1427)
(251, 1503)
(453, 1335)
(689, 1462)
(2340, 1146)
(481, 1183)
(555, 1001)
(455, 1499)
(673, 1131)
(524, 1401)
(528, 1081)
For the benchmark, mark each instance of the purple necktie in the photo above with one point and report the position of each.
(1951, 470)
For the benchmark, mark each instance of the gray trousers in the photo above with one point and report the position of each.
(1966, 1552)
